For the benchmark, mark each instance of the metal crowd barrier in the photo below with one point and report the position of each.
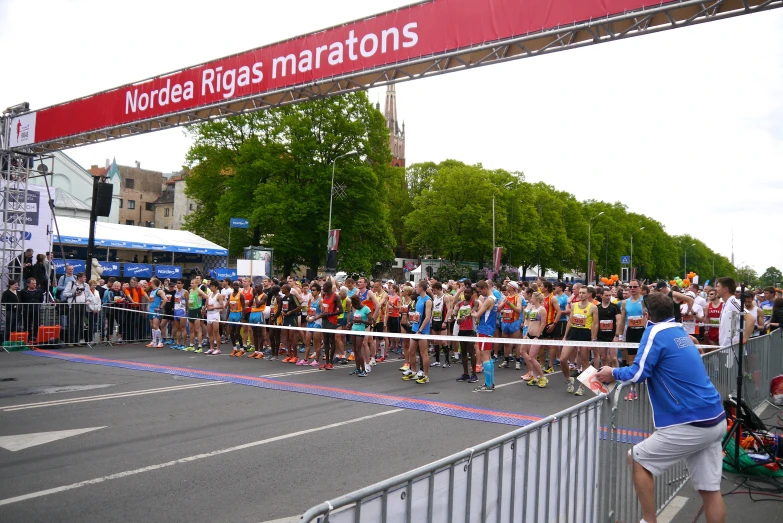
(523, 476)
(51, 324)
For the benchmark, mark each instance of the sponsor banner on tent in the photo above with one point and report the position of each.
(38, 218)
(424, 29)
(110, 269)
(139, 270)
(168, 271)
(78, 266)
(222, 273)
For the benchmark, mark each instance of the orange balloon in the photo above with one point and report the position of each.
(672, 282)
(686, 282)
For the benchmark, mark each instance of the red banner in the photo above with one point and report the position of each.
(497, 254)
(425, 29)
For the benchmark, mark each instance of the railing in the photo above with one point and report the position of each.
(572, 466)
(52, 324)
(526, 475)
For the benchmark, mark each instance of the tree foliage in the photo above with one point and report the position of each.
(772, 277)
(274, 167)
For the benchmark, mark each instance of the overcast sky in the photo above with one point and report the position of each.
(684, 126)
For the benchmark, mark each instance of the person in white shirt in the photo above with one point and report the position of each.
(729, 328)
(75, 295)
(94, 316)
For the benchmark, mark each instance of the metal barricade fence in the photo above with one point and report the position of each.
(546, 471)
(51, 324)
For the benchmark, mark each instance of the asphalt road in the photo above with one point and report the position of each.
(201, 450)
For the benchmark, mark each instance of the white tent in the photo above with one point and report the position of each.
(533, 272)
(75, 231)
(415, 274)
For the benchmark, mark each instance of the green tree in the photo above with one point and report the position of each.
(771, 277)
(747, 275)
(274, 167)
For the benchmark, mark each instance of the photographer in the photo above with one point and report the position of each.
(76, 295)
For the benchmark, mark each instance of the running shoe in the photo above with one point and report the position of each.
(542, 382)
(241, 352)
(408, 375)
(446, 365)
(351, 357)
(435, 364)
(405, 368)
(329, 366)
(199, 350)
(580, 391)
(373, 362)
(527, 377)
(343, 361)
(362, 374)
(190, 348)
(313, 363)
(250, 350)
(234, 352)
(168, 342)
(503, 365)
(368, 369)
(258, 355)
(150, 345)
(300, 363)
(464, 377)
(556, 362)
(204, 343)
(423, 380)
(473, 379)
(354, 372)
(289, 359)
(322, 366)
(216, 352)
(484, 388)
(479, 369)
(518, 366)
(548, 370)
(209, 351)
(381, 359)
(159, 346)
(570, 385)
(631, 396)
(532, 382)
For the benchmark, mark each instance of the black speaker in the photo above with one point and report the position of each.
(103, 199)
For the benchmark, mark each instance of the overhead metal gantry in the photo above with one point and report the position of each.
(665, 17)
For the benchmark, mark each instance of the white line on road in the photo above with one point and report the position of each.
(101, 397)
(188, 459)
(522, 382)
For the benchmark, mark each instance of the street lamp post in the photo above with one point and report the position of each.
(331, 197)
(631, 274)
(685, 262)
(589, 232)
(507, 186)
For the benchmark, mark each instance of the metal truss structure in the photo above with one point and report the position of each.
(672, 15)
(14, 174)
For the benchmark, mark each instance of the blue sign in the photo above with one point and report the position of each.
(78, 266)
(222, 273)
(239, 223)
(110, 269)
(625, 260)
(139, 270)
(168, 271)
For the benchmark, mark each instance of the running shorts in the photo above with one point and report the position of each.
(633, 336)
(154, 315)
(580, 335)
(484, 345)
(510, 328)
(179, 313)
(212, 316)
(341, 322)
(467, 333)
(606, 337)
(291, 321)
(393, 325)
(378, 327)
(437, 325)
(235, 316)
(194, 314)
(255, 318)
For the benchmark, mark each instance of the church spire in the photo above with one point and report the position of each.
(396, 135)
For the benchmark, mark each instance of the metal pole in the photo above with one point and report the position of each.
(589, 231)
(629, 276)
(228, 248)
(93, 218)
(331, 198)
(493, 232)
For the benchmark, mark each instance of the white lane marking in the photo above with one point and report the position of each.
(290, 519)
(23, 441)
(188, 459)
(115, 395)
(671, 510)
(292, 373)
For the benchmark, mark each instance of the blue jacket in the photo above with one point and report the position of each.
(680, 390)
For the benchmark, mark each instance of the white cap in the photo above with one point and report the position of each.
(513, 284)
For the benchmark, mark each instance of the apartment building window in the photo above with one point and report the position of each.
(149, 206)
(166, 212)
(191, 206)
(131, 204)
(130, 183)
(120, 203)
(130, 222)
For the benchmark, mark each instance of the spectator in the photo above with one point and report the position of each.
(11, 302)
(94, 315)
(76, 296)
(40, 274)
(777, 314)
(64, 281)
(31, 297)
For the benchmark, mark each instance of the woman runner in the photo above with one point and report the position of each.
(214, 307)
(534, 325)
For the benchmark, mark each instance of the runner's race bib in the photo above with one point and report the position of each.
(414, 317)
(508, 316)
(578, 320)
(606, 325)
(437, 315)
(234, 306)
(357, 316)
(636, 322)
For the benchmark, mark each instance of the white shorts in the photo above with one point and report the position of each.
(700, 447)
(212, 316)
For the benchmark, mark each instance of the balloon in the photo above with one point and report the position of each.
(672, 282)
(686, 282)
(691, 275)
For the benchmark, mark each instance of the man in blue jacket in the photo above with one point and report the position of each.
(687, 411)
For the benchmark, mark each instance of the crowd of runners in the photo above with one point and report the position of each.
(436, 324)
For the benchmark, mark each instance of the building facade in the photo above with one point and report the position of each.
(396, 133)
(173, 204)
(140, 189)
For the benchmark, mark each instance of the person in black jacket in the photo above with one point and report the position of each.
(777, 314)
(11, 301)
(39, 273)
(31, 298)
